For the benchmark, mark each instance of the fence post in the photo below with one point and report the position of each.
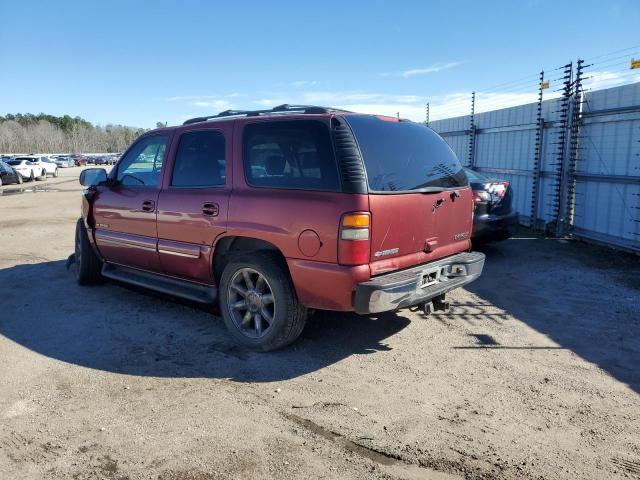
(559, 197)
(574, 139)
(537, 160)
(472, 132)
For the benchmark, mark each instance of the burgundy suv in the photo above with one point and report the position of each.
(271, 213)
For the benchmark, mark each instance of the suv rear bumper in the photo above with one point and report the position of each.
(418, 284)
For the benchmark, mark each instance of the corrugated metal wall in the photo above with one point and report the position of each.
(607, 203)
(607, 198)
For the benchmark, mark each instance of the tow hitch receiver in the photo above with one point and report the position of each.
(436, 304)
(440, 304)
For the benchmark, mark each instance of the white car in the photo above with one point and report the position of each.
(43, 161)
(65, 162)
(27, 169)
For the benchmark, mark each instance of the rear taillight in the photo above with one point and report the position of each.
(503, 190)
(354, 247)
(481, 196)
(499, 189)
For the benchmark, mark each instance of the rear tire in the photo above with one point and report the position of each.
(88, 265)
(0, 181)
(258, 303)
(43, 175)
(55, 173)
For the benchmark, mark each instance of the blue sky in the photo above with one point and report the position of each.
(139, 62)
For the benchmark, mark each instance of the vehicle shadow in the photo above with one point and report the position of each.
(125, 330)
(582, 297)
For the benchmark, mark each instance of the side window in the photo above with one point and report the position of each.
(200, 160)
(143, 163)
(290, 154)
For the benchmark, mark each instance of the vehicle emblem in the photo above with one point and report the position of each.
(382, 253)
(461, 235)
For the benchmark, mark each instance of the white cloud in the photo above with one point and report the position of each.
(304, 83)
(214, 104)
(598, 80)
(412, 72)
(202, 98)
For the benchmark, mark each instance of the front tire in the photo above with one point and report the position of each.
(258, 303)
(88, 265)
(43, 175)
(32, 177)
(55, 173)
(19, 180)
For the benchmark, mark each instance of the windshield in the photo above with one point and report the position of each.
(401, 156)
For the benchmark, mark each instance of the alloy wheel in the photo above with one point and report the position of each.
(250, 302)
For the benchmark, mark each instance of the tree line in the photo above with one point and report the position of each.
(28, 133)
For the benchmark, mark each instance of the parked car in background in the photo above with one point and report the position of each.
(326, 210)
(29, 170)
(91, 160)
(104, 160)
(48, 165)
(493, 215)
(80, 160)
(65, 162)
(8, 174)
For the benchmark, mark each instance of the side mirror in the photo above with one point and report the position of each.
(92, 176)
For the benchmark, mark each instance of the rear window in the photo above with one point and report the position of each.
(290, 154)
(15, 163)
(402, 156)
(475, 177)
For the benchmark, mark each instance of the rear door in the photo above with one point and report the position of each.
(125, 210)
(419, 197)
(193, 205)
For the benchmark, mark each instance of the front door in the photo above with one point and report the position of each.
(192, 206)
(125, 209)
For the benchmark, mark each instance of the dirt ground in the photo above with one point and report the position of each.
(535, 373)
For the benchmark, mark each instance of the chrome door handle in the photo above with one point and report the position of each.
(148, 206)
(210, 209)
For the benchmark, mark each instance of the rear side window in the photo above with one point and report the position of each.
(200, 160)
(290, 154)
(405, 156)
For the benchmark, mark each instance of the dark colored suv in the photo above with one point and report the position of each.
(271, 213)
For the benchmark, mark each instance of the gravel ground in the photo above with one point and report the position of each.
(533, 374)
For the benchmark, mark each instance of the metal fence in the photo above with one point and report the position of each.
(573, 162)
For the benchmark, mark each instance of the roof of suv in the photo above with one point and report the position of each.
(294, 112)
(285, 109)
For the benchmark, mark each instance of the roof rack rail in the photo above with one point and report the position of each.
(284, 108)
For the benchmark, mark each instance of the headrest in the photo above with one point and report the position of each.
(275, 165)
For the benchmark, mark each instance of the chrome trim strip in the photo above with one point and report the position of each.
(178, 254)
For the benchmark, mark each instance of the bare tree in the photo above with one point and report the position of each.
(43, 136)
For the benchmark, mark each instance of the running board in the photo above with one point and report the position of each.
(160, 283)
